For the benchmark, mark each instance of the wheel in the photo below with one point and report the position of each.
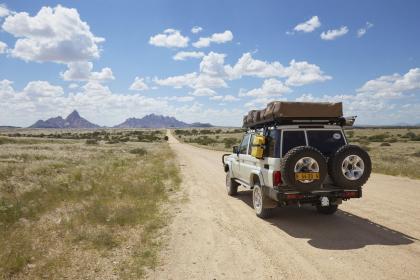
(303, 159)
(350, 167)
(260, 202)
(231, 185)
(327, 210)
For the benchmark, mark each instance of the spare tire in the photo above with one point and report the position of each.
(303, 159)
(350, 167)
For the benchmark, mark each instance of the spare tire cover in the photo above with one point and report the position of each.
(303, 159)
(350, 167)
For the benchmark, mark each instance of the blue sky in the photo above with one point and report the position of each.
(115, 59)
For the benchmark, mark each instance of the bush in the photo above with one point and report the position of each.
(91, 141)
(385, 144)
(166, 138)
(378, 137)
(416, 154)
(230, 142)
(139, 151)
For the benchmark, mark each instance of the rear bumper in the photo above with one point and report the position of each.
(312, 197)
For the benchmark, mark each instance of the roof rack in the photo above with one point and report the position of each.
(341, 121)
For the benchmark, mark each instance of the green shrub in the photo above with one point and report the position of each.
(377, 137)
(91, 141)
(139, 151)
(385, 144)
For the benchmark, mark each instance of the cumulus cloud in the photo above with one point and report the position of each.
(3, 47)
(185, 55)
(362, 31)
(225, 98)
(217, 38)
(300, 73)
(203, 92)
(196, 29)
(139, 84)
(170, 38)
(309, 25)
(248, 66)
(53, 34)
(333, 34)
(179, 81)
(82, 71)
(37, 89)
(392, 86)
(270, 87)
(4, 11)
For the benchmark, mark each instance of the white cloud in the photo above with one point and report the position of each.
(180, 98)
(36, 89)
(309, 25)
(104, 75)
(217, 38)
(73, 86)
(248, 66)
(170, 38)
(196, 29)
(53, 34)
(301, 73)
(4, 11)
(333, 34)
(226, 98)
(392, 86)
(203, 92)
(82, 71)
(270, 87)
(139, 84)
(178, 81)
(362, 31)
(185, 55)
(3, 47)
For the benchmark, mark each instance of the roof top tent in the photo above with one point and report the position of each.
(283, 113)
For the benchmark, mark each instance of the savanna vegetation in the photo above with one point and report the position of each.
(81, 207)
(394, 151)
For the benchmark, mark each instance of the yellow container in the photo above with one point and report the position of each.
(258, 140)
(257, 150)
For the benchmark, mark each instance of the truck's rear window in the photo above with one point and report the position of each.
(292, 139)
(326, 141)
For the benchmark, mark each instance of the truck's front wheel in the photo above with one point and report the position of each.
(259, 202)
(231, 185)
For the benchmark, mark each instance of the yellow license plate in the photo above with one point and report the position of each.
(301, 176)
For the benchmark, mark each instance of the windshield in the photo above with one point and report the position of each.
(326, 141)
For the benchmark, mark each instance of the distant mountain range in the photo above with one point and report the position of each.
(74, 120)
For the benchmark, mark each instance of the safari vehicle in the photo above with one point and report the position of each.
(296, 153)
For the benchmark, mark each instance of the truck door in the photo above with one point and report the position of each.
(248, 162)
(242, 151)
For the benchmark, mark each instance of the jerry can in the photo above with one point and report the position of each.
(258, 143)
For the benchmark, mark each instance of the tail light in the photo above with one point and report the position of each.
(351, 194)
(276, 178)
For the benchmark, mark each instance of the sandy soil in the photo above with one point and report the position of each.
(215, 236)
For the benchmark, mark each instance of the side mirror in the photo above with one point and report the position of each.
(235, 149)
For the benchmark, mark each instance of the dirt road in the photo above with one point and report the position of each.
(215, 236)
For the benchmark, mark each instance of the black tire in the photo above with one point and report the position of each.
(336, 162)
(262, 211)
(231, 185)
(327, 210)
(288, 167)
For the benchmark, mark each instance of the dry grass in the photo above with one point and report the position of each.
(394, 151)
(71, 209)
